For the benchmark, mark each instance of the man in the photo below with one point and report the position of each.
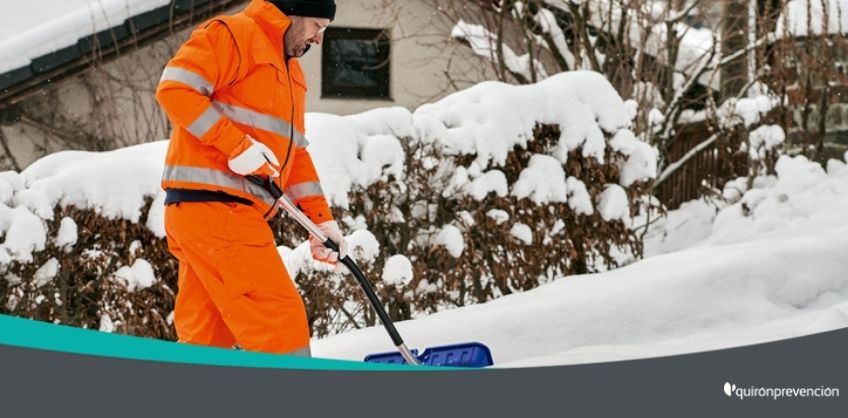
(234, 93)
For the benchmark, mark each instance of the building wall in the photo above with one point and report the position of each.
(106, 107)
(421, 53)
(113, 105)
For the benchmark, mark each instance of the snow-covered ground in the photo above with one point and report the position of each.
(711, 281)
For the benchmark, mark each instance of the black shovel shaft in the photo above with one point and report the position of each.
(372, 297)
(277, 194)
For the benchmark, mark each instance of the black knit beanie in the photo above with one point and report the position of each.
(312, 8)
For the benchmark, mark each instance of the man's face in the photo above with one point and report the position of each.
(303, 32)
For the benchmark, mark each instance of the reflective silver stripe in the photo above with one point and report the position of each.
(196, 81)
(204, 122)
(300, 140)
(306, 189)
(215, 177)
(303, 352)
(261, 121)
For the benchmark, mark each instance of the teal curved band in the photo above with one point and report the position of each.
(34, 334)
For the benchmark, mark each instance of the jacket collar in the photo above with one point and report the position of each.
(272, 21)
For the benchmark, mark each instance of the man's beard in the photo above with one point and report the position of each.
(302, 52)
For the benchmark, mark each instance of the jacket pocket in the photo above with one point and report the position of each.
(235, 272)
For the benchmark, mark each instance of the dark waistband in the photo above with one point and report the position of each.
(185, 195)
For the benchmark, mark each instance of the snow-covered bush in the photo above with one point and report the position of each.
(487, 192)
(100, 276)
(502, 188)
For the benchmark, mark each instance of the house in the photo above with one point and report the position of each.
(82, 74)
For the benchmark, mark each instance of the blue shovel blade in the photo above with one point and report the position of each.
(472, 354)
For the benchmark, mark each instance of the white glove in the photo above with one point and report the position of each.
(253, 158)
(324, 254)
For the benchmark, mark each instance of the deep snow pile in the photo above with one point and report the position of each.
(771, 266)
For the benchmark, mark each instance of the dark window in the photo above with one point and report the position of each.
(355, 63)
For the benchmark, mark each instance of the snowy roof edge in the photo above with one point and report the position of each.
(137, 30)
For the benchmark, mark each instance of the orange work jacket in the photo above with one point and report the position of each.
(229, 79)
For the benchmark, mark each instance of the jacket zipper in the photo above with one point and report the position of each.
(291, 124)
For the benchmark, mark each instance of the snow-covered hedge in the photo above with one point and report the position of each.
(489, 191)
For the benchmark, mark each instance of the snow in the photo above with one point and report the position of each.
(542, 181)
(425, 287)
(363, 245)
(559, 225)
(23, 233)
(488, 120)
(126, 177)
(396, 121)
(522, 232)
(578, 196)
(547, 22)
(156, 216)
(490, 181)
(35, 201)
(34, 28)
(665, 305)
(764, 139)
(46, 272)
(498, 215)
(106, 324)
(641, 165)
(136, 277)
(747, 110)
(10, 182)
(491, 118)
(710, 282)
(67, 235)
(690, 223)
(358, 149)
(803, 197)
(466, 217)
(451, 238)
(613, 203)
(397, 271)
(383, 153)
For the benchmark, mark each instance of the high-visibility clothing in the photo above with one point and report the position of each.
(228, 80)
(233, 286)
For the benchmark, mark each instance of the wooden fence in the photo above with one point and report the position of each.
(711, 168)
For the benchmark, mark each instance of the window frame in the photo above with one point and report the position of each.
(382, 91)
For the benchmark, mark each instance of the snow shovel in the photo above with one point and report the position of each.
(471, 354)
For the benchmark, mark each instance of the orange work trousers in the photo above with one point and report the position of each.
(233, 285)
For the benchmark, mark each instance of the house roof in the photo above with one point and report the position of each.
(46, 40)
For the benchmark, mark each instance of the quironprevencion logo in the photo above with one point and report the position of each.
(732, 390)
